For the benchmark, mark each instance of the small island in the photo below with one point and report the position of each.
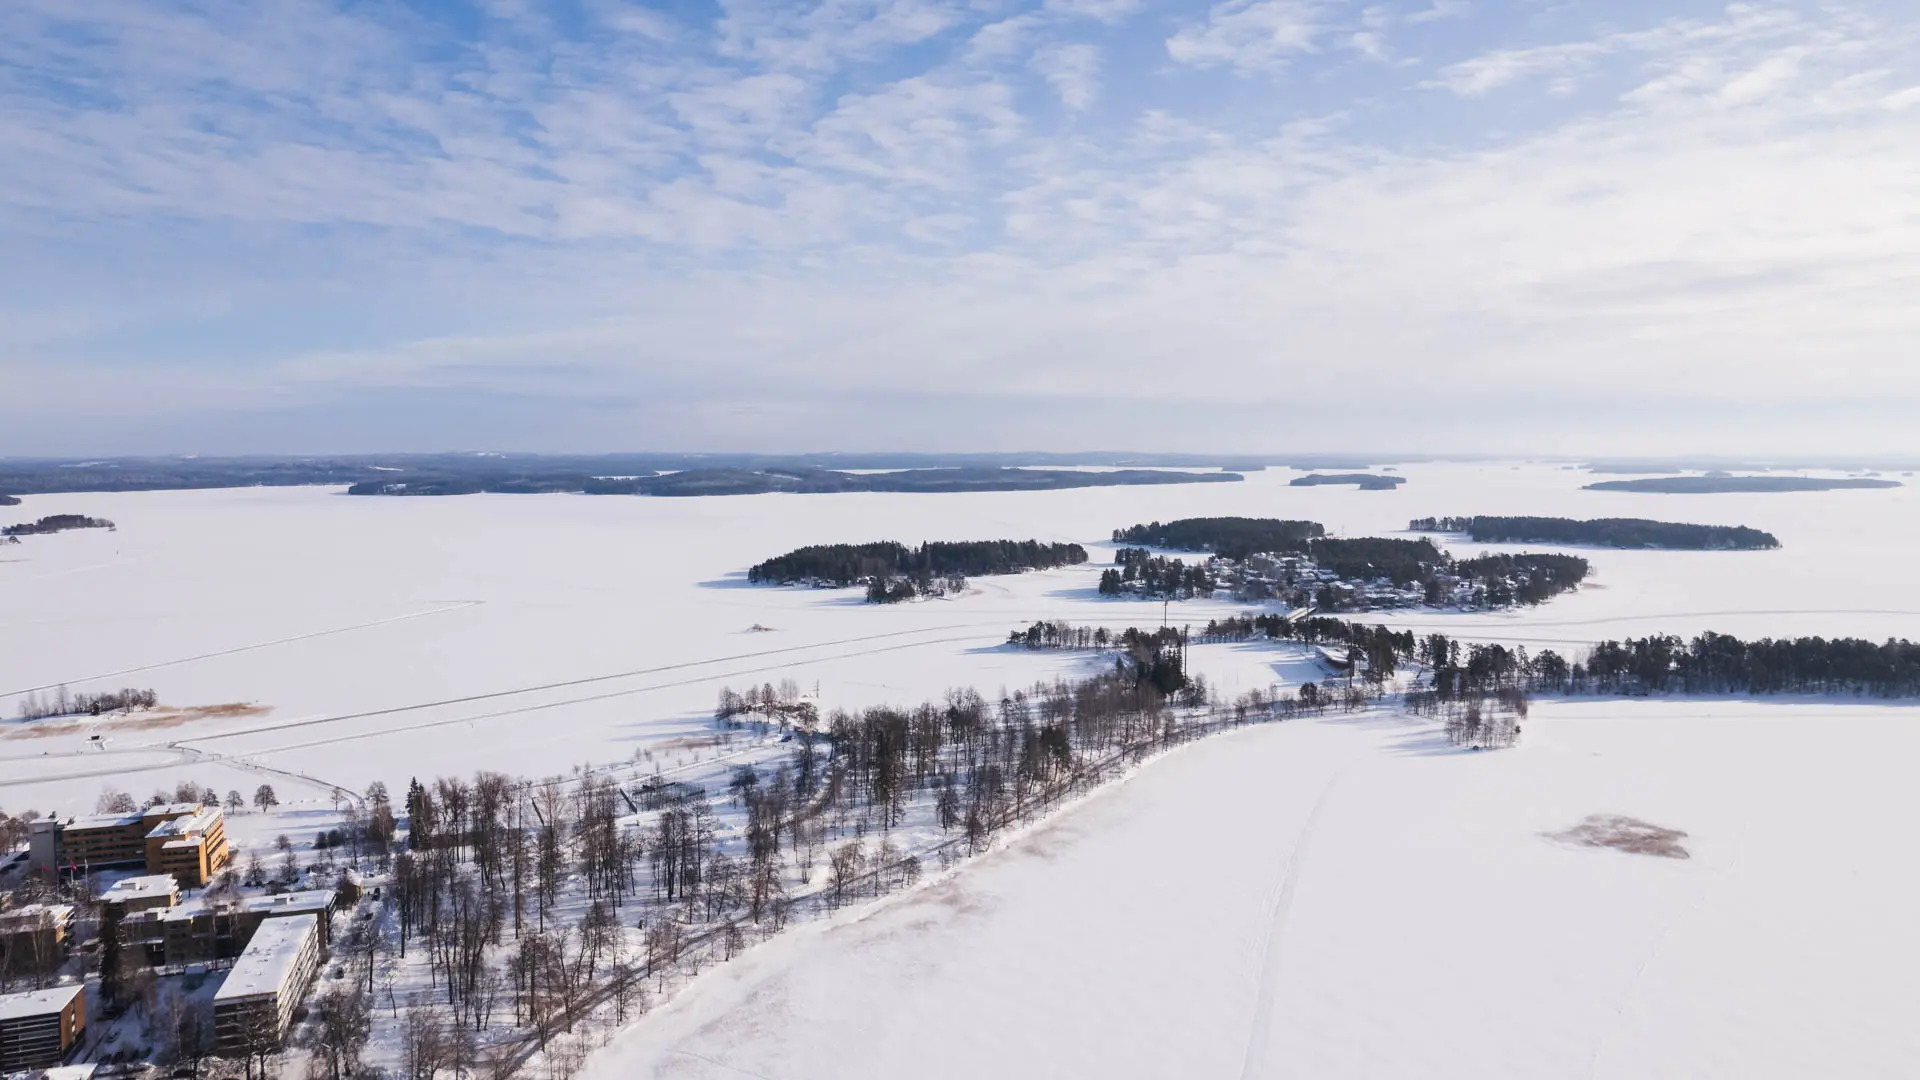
(893, 572)
(8, 500)
(1362, 481)
(1600, 532)
(1738, 485)
(1338, 574)
(56, 523)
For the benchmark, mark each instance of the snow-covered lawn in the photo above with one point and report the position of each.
(1350, 898)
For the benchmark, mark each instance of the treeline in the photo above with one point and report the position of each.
(1157, 658)
(1719, 664)
(1500, 580)
(1363, 558)
(1531, 578)
(848, 564)
(1710, 663)
(1601, 532)
(54, 523)
(1159, 575)
(61, 703)
(1375, 652)
(1232, 537)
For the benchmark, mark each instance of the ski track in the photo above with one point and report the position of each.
(1274, 937)
(187, 745)
(83, 680)
(718, 1064)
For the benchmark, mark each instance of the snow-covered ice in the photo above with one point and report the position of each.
(1354, 899)
(384, 636)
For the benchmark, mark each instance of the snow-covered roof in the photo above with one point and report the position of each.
(141, 887)
(60, 912)
(305, 900)
(269, 958)
(308, 901)
(103, 821)
(198, 821)
(37, 1002)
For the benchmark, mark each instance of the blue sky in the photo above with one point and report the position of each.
(1572, 227)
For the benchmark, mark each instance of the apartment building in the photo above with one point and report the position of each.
(198, 932)
(255, 1004)
(40, 1027)
(34, 939)
(186, 840)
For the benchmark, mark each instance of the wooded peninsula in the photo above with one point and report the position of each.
(1601, 532)
(1232, 537)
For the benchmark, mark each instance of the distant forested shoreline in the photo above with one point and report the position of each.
(892, 571)
(797, 481)
(1601, 532)
(1731, 485)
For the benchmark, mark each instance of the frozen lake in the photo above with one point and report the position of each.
(1337, 898)
(385, 637)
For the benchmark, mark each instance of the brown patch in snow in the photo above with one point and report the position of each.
(165, 716)
(1622, 833)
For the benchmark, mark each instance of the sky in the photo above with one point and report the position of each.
(1580, 227)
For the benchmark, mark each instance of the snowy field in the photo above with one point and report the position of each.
(378, 638)
(1354, 899)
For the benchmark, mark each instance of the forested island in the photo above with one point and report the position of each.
(54, 523)
(1233, 537)
(1734, 485)
(1601, 532)
(892, 571)
(8, 500)
(1363, 481)
(1341, 574)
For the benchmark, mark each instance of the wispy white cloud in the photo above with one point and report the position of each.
(1106, 11)
(1250, 35)
(1074, 72)
(811, 204)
